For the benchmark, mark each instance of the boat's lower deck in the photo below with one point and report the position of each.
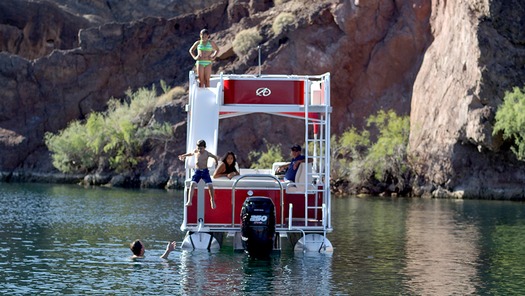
(292, 209)
(306, 226)
(315, 241)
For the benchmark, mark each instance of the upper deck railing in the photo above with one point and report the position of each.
(272, 93)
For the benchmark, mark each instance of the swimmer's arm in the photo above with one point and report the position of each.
(169, 248)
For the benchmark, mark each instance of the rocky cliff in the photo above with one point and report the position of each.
(45, 93)
(447, 64)
(477, 54)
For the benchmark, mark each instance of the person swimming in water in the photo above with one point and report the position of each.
(206, 51)
(138, 249)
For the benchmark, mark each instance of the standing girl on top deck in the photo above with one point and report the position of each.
(207, 50)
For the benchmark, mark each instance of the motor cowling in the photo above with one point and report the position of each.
(258, 226)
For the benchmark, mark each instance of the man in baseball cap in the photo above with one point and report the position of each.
(293, 165)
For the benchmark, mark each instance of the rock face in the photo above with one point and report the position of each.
(32, 29)
(105, 11)
(447, 64)
(44, 94)
(477, 54)
(372, 50)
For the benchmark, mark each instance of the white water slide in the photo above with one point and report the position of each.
(204, 122)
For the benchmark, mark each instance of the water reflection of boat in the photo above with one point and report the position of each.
(301, 209)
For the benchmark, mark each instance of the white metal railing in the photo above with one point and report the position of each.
(281, 202)
(272, 76)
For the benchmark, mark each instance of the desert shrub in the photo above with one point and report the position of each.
(164, 86)
(279, 2)
(68, 147)
(510, 120)
(171, 95)
(117, 135)
(362, 161)
(348, 155)
(388, 153)
(282, 22)
(246, 40)
(264, 160)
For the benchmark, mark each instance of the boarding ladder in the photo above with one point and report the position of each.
(317, 131)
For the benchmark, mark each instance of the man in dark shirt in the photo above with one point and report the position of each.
(297, 158)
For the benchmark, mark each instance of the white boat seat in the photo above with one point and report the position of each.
(275, 165)
(302, 179)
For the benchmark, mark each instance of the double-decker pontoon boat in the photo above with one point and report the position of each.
(257, 208)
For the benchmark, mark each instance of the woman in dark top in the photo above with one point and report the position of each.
(227, 166)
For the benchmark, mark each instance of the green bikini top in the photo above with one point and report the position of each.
(205, 47)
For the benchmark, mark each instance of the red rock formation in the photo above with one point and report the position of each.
(476, 56)
(33, 30)
(374, 50)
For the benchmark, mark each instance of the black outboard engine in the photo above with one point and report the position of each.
(258, 226)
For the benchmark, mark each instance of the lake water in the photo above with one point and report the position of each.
(64, 239)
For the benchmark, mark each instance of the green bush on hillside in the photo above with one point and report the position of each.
(264, 160)
(282, 22)
(171, 95)
(116, 136)
(510, 120)
(245, 41)
(360, 160)
(388, 154)
(348, 155)
(68, 147)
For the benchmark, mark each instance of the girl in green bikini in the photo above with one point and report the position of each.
(207, 50)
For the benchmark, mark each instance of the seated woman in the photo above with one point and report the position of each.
(227, 167)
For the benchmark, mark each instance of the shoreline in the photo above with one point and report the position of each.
(338, 187)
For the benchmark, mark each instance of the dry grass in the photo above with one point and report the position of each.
(172, 95)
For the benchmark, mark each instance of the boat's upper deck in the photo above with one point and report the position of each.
(272, 93)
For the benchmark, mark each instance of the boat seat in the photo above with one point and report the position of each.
(275, 165)
(300, 186)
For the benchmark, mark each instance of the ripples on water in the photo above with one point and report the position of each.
(71, 240)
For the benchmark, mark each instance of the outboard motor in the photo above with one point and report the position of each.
(258, 226)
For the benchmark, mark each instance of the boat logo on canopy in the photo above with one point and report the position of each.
(263, 92)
